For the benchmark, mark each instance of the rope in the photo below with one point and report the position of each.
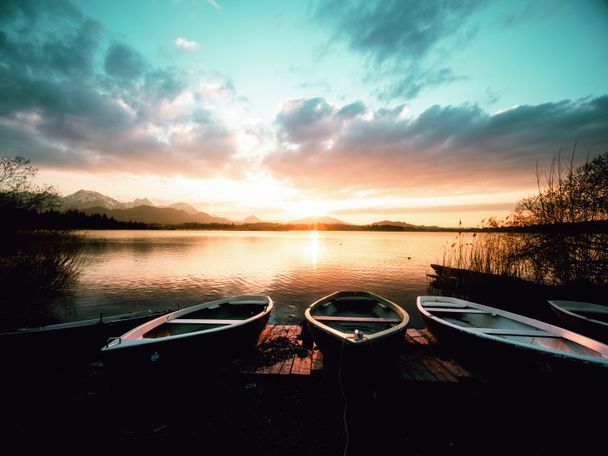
(343, 397)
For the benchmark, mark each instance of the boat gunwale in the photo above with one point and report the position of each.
(125, 341)
(557, 308)
(349, 337)
(90, 322)
(577, 338)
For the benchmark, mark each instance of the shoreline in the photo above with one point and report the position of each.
(83, 405)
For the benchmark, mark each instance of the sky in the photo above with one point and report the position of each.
(432, 113)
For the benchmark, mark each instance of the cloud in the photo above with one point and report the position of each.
(400, 37)
(395, 29)
(70, 100)
(183, 43)
(124, 63)
(446, 148)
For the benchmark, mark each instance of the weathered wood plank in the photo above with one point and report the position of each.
(426, 333)
(413, 332)
(455, 369)
(413, 366)
(422, 358)
(317, 359)
(267, 330)
(275, 368)
(292, 335)
(438, 370)
(295, 367)
(305, 364)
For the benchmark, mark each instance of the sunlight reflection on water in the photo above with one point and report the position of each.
(137, 270)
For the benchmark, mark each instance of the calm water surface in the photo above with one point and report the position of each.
(136, 270)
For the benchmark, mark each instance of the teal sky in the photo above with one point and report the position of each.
(427, 112)
(505, 53)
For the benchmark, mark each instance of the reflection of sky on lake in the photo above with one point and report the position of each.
(135, 270)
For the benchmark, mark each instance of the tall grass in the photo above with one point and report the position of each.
(489, 253)
(40, 267)
(544, 241)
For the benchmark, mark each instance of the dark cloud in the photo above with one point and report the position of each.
(398, 36)
(124, 63)
(415, 81)
(404, 28)
(164, 84)
(68, 100)
(305, 120)
(351, 110)
(457, 147)
(26, 13)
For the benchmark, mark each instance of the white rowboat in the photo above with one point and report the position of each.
(584, 317)
(505, 333)
(215, 330)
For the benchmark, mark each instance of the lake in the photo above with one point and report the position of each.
(135, 270)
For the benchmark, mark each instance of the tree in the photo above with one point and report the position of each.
(17, 190)
(568, 195)
(36, 265)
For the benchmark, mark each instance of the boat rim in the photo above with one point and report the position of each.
(350, 337)
(595, 345)
(576, 315)
(124, 342)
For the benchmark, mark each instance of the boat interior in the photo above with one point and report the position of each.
(224, 314)
(485, 322)
(349, 313)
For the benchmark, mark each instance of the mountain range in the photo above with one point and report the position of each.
(143, 210)
(138, 210)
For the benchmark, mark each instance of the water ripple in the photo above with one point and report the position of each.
(136, 270)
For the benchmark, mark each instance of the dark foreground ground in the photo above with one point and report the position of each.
(84, 409)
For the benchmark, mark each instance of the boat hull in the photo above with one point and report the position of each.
(512, 360)
(67, 342)
(597, 330)
(336, 350)
(198, 349)
(379, 342)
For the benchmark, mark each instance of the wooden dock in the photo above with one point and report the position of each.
(282, 350)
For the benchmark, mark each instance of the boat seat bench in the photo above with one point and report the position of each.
(516, 332)
(455, 310)
(201, 321)
(357, 319)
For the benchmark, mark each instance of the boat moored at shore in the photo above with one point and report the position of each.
(500, 336)
(209, 332)
(356, 324)
(584, 317)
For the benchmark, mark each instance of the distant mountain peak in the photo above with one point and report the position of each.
(83, 199)
(320, 219)
(389, 222)
(183, 207)
(141, 202)
(251, 219)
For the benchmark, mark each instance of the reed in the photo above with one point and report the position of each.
(542, 241)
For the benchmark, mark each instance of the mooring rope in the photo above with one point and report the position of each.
(343, 397)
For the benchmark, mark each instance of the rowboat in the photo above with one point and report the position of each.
(212, 331)
(356, 324)
(502, 335)
(584, 317)
(70, 340)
